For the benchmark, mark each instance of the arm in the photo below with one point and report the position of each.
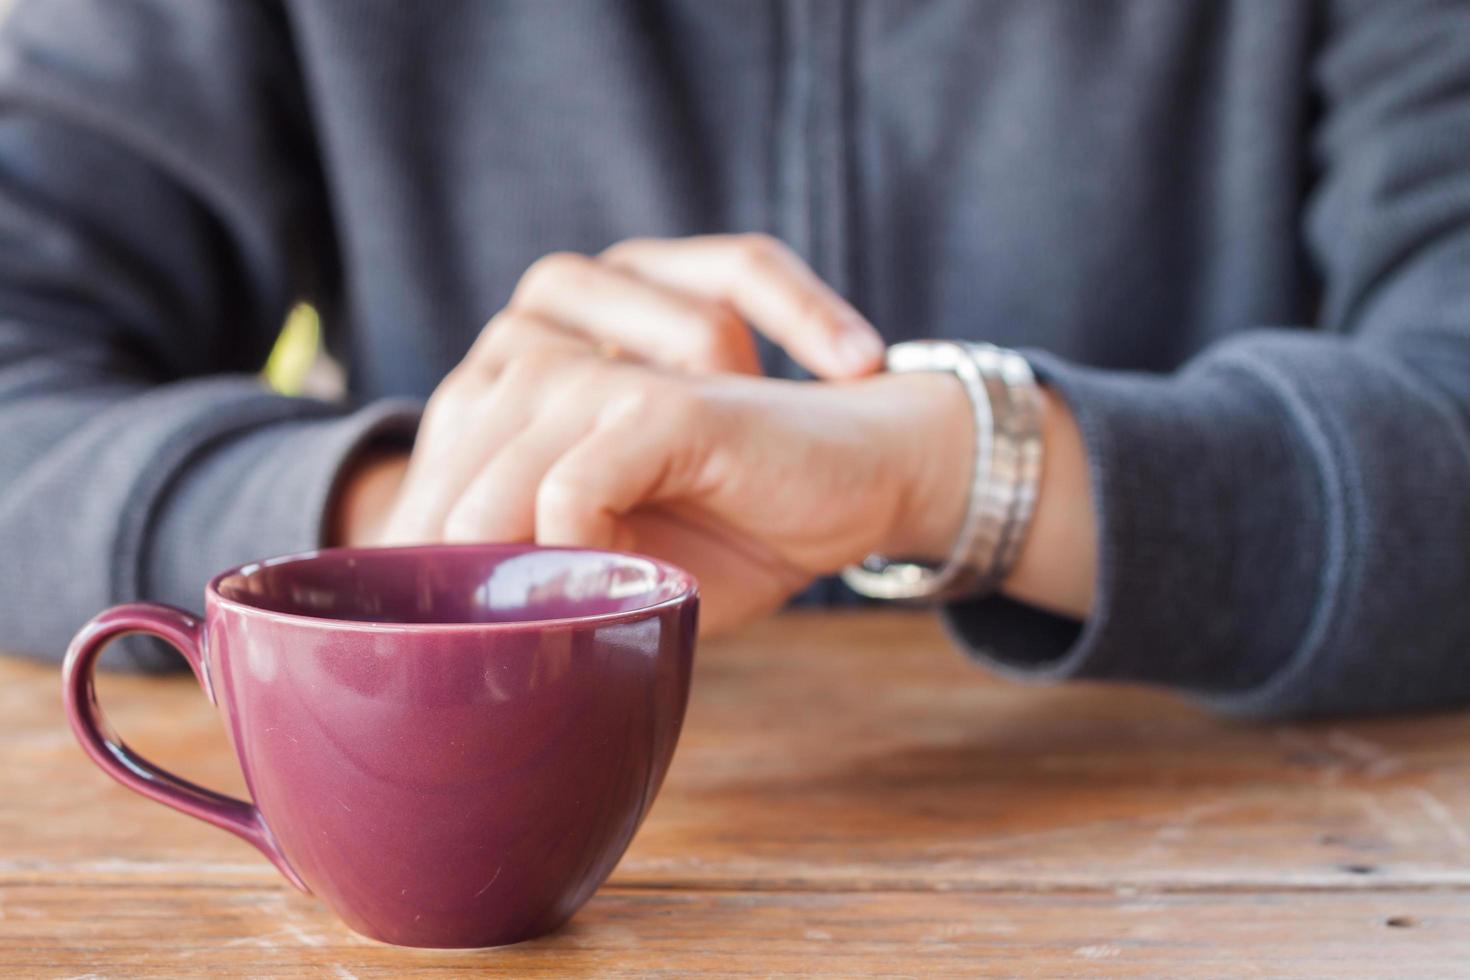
(858, 459)
(158, 215)
(1284, 526)
(1280, 527)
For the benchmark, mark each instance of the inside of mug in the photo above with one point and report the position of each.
(454, 584)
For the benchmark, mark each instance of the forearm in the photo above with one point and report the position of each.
(364, 497)
(153, 247)
(115, 491)
(1055, 569)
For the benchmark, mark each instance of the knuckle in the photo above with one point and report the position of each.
(554, 269)
(547, 372)
(514, 330)
(455, 388)
(560, 494)
(507, 323)
(625, 250)
(486, 330)
(646, 411)
(496, 336)
(442, 416)
(528, 367)
(761, 252)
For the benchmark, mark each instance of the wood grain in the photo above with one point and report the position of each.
(847, 770)
(66, 930)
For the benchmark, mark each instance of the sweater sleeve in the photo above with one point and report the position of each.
(160, 210)
(1285, 523)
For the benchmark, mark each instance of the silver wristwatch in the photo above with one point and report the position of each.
(1007, 472)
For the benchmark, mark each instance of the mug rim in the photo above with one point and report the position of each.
(688, 591)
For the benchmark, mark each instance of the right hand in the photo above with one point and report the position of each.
(683, 304)
(688, 304)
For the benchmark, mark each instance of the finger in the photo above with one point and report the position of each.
(650, 322)
(437, 477)
(770, 287)
(512, 333)
(461, 435)
(499, 504)
(495, 391)
(630, 457)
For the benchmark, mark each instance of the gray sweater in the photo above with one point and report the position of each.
(1235, 236)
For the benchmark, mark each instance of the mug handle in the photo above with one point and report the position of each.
(184, 632)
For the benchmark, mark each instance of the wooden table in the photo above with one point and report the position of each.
(850, 797)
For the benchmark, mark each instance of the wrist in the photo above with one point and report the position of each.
(1056, 569)
(933, 430)
(1051, 558)
(364, 498)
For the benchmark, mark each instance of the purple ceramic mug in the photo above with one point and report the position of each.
(450, 745)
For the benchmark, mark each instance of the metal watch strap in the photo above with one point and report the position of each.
(1004, 479)
(1018, 459)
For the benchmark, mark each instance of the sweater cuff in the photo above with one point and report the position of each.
(1199, 580)
(253, 493)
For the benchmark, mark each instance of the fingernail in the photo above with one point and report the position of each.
(859, 349)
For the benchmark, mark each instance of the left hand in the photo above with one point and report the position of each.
(754, 485)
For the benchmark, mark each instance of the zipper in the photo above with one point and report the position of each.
(812, 213)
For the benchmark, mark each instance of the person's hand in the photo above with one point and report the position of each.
(687, 304)
(795, 479)
(754, 485)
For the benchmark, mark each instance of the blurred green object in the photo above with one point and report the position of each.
(295, 351)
